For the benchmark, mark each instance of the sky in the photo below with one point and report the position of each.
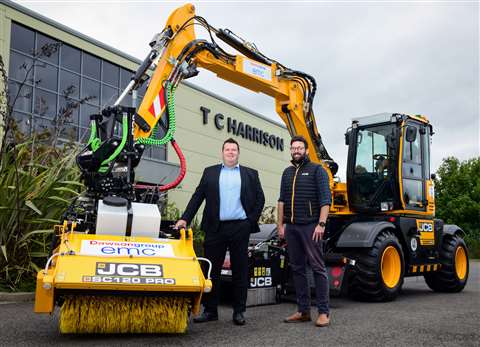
(415, 57)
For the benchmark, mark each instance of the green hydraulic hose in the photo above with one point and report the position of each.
(171, 122)
(104, 167)
(93, 140)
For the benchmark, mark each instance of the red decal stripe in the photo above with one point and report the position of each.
(162, 97)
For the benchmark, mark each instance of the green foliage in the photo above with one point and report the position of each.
(170, 212)
(268, 215)
(34, 193)
(38, 178)
(457, 198)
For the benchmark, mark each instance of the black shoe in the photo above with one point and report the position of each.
(239, 319)
(205, 317)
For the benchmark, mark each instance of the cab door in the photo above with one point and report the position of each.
(416, 188)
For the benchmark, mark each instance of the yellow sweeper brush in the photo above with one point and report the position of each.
(119, 284)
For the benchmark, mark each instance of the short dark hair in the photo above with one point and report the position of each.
(298, 138)
(230, 140)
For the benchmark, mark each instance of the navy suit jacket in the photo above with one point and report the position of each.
(251, 197)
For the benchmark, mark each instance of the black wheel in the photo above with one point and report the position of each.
(380, 270)
(453, 274)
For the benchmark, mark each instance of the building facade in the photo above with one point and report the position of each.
(57, 66)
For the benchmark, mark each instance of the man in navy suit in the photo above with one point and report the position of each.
(234, 201)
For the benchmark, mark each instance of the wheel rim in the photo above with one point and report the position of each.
(391, 267)
(461, 262)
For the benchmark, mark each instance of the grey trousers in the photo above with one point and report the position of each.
(301, 248)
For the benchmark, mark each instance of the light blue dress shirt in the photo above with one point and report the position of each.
(230, 184)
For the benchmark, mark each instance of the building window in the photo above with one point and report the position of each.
(91, 66)
(110, 74)
(91, 89)
(69, 84)
(58, 79)
(24, 39)
(71, 58)
(46, 77)
(44, 41)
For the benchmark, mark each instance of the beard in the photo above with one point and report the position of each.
(299, 158)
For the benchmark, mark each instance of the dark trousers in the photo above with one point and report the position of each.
(234, 236)
(301, 248)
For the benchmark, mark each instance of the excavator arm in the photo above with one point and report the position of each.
(180, 53)
(177, 54)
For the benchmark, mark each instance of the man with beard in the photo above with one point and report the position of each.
(234, 201)
(303, 208)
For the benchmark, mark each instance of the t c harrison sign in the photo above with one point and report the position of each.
(245, 131)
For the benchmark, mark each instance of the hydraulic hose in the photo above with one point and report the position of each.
(170, 91)
(181, 175)
(151, 141)
(104, 168)
(93, 140)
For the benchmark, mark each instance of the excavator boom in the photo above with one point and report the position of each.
(181, 53)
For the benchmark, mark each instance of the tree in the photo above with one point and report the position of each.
(457, 198)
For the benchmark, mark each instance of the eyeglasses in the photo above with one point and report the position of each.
(297, 149)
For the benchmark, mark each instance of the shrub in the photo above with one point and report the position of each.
(457, 198)
(35, 189)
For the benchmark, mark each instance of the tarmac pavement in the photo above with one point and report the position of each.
(419, 317)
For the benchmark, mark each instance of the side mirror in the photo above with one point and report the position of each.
(347, 137)
(411, 134)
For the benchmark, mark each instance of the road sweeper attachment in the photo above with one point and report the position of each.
(121, 284)
(112, 270)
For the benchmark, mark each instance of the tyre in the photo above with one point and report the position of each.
(453, 274)
(380, 270)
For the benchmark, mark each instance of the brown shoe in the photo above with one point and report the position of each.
(298, 317)
(323, 320)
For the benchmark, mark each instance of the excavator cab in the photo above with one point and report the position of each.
(388, 163)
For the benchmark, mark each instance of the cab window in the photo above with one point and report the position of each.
(412, 168)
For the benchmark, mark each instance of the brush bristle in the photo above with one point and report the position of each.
(119, 314)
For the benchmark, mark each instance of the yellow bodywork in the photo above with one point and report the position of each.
(115, 284)
(426, 230)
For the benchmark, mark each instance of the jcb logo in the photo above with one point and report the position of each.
(260, 282)
(425, 229)
(120, 269)
(424, 226)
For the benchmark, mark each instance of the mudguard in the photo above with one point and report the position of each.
(362, 234)
(452, 229)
